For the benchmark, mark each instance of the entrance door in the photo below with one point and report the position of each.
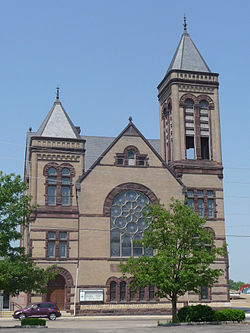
(58, 297)
(56, 291)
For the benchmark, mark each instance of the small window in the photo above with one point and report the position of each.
(204, 293)
(113, 291)
(200, 206)
(52, 172)
(65, 193)
(51, 195)
(200, 194)
(210, 208)
(120, 160)
(137, 249)
(131, 157)
(123, 291)
(141, 293)
(151, 291)
(65, 172)
(205, 148)
(126, 246)
(141, 161)
(131, 293)
(190, 153)
(51, 244)
(51, 249)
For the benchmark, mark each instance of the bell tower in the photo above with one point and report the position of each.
(189, 112)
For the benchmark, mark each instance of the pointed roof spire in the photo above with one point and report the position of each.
(57, 93)
(57, 123)
(187, 57)
(185, 23)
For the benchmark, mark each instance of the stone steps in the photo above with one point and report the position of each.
(6, 314)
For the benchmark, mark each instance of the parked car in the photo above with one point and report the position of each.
(42, 309)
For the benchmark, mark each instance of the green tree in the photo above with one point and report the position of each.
(183, 253)
(235, 285)
(15, 210)
(22, 274)
(17, 271)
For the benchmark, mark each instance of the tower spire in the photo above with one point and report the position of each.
(185, 23)
(57, 93)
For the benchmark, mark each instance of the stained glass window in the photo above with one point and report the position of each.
(127, 224)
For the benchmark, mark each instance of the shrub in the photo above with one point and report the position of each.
(33, 321)
(229, 315)
(196, 313)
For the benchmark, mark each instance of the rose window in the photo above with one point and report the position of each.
(127, 224)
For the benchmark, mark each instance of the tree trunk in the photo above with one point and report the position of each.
(174, 308)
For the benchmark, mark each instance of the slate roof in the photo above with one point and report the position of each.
(58, 124)
(187, 57)
(96, 145)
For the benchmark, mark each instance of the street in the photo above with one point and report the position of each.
(127, 324)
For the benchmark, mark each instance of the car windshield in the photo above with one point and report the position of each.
(30, 306)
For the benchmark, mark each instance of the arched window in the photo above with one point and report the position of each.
(123, 291)
(65, 188)
(58, 185)
(113, 291)
(204, 129)
(52, 180)
(189, 128)
(127, 224)
(168, 131)
(131, 157)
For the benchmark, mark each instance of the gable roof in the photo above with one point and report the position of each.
(95, 146)
(129, 130)
(187, 57)
(58, 124)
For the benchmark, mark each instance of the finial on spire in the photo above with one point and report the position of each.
(185, 23)
(130, 119)
(57, 93)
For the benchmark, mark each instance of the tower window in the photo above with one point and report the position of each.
(57, 244)
(204, 129)
(190, 153)
(202, 201)
(204, 148)
(190, 129)
(52, 180)
(58, 185)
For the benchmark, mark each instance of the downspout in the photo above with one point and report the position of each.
(77, 187)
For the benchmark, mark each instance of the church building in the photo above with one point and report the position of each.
(91, 192)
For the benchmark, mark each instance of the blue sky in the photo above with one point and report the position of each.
(108, 56)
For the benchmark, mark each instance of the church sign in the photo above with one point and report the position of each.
(91, 295)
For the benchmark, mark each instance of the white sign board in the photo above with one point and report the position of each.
(90, 295)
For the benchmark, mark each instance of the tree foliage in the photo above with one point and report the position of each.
(235, 285)
(17, 271)
(15, 210)
(21, 274)
(184, 251)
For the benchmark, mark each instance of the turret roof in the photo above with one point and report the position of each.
(187, 57)
(58, 124)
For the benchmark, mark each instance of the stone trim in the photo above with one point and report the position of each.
(123, 187)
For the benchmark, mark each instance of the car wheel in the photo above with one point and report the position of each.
(21, 316)
(52, 316)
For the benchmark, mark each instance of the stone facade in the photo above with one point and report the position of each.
(72, 226)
